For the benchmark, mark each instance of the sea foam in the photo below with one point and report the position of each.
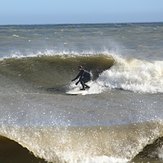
(134, 75)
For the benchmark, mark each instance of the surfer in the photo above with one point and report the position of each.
(84, 76)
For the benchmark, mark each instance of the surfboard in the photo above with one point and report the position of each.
(77, 92)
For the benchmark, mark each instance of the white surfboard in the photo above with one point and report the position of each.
(77, 92)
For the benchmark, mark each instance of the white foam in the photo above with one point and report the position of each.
(133, 75)
(41, 142)
(53, 52)
(95, 159)
(14, 35)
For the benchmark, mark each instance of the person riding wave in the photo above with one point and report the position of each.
(84, 76)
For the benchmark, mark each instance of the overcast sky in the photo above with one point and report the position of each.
(79, 11)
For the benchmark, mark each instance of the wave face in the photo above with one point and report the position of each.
(52, 71)
(90, 144)
(11, 151)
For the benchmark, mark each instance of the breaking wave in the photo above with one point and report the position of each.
(54, 72)
(116, 144)
(133, 75)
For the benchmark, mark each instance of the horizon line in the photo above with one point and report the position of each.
(143, 22)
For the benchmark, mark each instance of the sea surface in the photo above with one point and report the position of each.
(118, 120)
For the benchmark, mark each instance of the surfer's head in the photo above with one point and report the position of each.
(80, 67)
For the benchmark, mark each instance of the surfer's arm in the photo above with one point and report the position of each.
(79, 75)
(75, 78)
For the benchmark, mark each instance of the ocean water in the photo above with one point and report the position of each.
(119, 119)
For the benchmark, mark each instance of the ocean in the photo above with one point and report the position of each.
(118, 120)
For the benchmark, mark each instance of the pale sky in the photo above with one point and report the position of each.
(79, 11)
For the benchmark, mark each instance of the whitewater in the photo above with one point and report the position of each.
(119, 119)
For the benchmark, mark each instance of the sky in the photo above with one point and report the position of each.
(79, 11)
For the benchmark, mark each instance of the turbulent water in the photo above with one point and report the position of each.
(119, 119)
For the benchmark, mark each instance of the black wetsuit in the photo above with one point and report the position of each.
(84, 76)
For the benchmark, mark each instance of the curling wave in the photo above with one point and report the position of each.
(52, 71)
(109, 72)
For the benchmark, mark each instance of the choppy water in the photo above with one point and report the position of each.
(119, 119)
